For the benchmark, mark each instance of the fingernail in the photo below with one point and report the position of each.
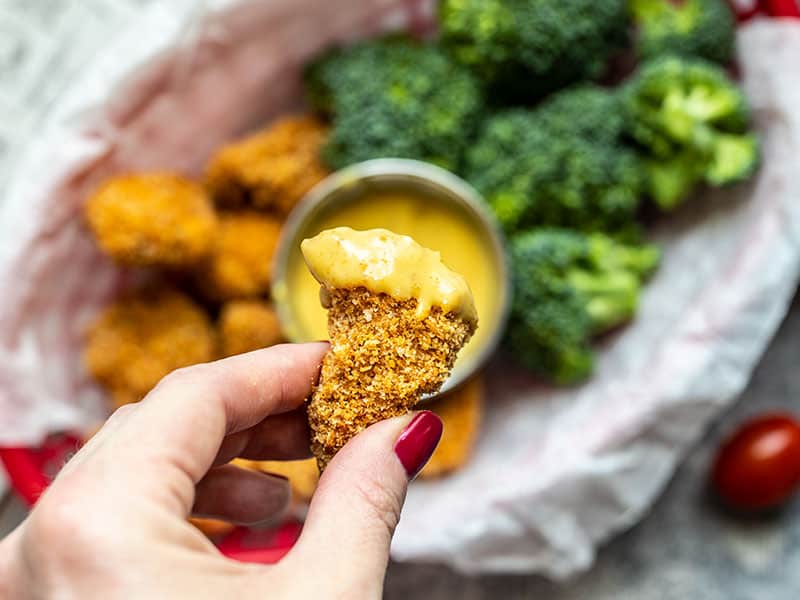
(419, 439)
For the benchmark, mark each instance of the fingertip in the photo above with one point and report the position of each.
(418, 441)
(364, 479)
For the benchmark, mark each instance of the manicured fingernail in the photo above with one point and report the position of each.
(418, 441)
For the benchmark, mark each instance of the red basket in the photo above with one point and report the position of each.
(30, 470)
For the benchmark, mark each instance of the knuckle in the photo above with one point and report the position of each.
(182, 376)
(382, 502)
(48, 525)
(186, 378)
(122, 413)
(60, 523)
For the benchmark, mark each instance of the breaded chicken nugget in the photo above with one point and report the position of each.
(152, 219)
(247, 325)
(397, 318)
(240, 263)
(461, 412)
(303, 475)
(271, 169)
(140, 339)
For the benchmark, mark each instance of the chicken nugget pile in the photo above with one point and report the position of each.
(397, 318)
(206, 258)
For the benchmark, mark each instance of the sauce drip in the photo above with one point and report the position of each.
(387, 263)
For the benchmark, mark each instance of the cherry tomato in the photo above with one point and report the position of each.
(758, 467)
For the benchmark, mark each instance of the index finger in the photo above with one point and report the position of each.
(174, 434)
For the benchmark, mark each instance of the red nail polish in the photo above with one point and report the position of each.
(418, 441)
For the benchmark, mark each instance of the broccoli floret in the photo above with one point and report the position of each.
(691, 123)
(671, 180)
(734, 158)
(394, 97)
(702, 28)
(526, 48)
(561, 164)
(587, 110)
(569, 287)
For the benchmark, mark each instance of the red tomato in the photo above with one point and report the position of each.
(759, 466)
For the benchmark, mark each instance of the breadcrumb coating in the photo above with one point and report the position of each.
(152, 219)
(139, 339)
(461, 412)
(303, 475)
(240, 263)
(247, 325)
(383, 359)
(272, 169)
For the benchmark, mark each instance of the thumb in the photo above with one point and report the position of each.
(357, 505)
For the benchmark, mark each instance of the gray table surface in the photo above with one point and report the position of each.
(685, 549)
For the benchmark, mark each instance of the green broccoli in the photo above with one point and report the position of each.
(671, 180)
(587, 110)
(691, 123)
(733, 158)
(561, 164)
(394, 97)
(568, 288)
(527, 48)
(702, 28)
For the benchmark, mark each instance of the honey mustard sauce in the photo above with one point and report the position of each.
(384, 262)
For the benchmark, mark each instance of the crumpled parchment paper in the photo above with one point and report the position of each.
(555, 471)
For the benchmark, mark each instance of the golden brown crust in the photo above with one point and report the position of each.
(461, 412)
(272, 169)
(247, 325)
(140, 339)
(383, 359)
(152, 219)
(240, 263)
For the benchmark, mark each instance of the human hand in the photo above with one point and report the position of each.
(114, 522)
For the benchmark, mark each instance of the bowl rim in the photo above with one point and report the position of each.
(448, 185)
